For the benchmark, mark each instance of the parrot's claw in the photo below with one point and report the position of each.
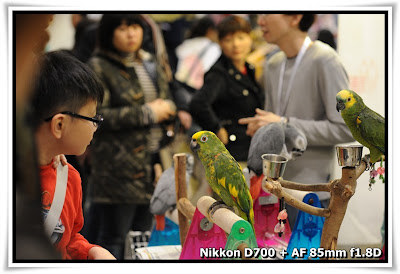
(367, 161)
(296, 152)
(370, 166)
(218, 205)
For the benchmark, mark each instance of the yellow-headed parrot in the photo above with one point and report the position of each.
(366, 126)
(224, 174)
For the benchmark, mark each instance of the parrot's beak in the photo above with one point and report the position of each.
(194, 146)
(297, 152)
(340, 106)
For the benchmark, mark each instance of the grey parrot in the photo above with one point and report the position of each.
(275, 138)
(295, 142)
(164, 196)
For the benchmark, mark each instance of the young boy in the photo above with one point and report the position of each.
(65, 99)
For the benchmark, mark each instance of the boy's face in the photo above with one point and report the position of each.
(128, 39)
(236, 46)
(275, 27)
(79, 132)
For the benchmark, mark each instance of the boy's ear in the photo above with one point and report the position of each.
(58, 125)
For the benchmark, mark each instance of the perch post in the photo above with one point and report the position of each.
(181, 192)
(341, 192)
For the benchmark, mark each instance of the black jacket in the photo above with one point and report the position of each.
(226, 96)
(120, 155)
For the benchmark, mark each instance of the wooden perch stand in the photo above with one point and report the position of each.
(341, 191)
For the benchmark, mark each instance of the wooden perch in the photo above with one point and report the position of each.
(275, 188)
(222, 217)
(181, 192)
(186, 208)
(303, 187)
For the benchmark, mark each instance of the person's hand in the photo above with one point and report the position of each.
(99, 253)
(59, 158)
(261, 118)
(185, 118)
(162, 109)
(222, 134)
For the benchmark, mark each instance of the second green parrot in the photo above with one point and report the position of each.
(224, 174)
(366, 126)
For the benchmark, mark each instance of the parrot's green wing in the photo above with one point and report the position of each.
(372, 128)
(232, 183)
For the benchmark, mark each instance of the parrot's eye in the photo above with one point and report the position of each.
(204, 138)
(349, 99)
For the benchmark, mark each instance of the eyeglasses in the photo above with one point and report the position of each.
(97, 120)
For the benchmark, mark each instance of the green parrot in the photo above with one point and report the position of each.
(224, 174)
(366, 126)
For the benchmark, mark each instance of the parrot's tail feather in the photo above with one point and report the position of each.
(160, 222)
(250, 218)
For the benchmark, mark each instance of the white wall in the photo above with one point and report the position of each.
(61, 33)
(361, 45)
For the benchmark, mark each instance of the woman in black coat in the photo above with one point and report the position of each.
(230, 91)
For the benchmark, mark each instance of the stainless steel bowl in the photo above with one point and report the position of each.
(349, 156)
(273, 165)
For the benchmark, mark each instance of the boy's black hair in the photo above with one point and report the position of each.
(107, 25)
(201, 26)
(232, 24)
(63, 83)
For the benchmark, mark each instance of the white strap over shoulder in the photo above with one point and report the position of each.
(58, 200)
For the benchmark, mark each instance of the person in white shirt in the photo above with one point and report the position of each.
(301, 82)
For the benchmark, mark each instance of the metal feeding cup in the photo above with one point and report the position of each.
(349, 156)
(273, 165)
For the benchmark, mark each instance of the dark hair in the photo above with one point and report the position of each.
(307, 21)
(201, 26)
(232, 24)
(63, 83)
(107, 25)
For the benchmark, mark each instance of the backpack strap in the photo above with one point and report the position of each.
(58, 200)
